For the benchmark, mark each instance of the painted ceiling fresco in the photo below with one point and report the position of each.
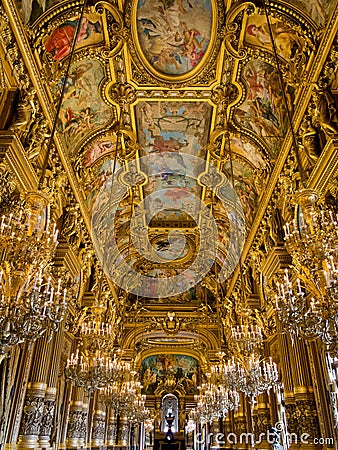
(174, 35)
(168, 130)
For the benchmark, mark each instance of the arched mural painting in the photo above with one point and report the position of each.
(156, 368)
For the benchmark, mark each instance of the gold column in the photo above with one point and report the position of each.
(33, 409)
(19, 383)
(99, 425)
(75, 420)
(262, 421)
(322, 391)
(111, 428)
(50, 397)
(301, 408)
(123, 432)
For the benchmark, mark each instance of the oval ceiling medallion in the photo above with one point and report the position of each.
(174, 37)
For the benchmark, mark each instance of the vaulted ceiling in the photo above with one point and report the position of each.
(166, 106)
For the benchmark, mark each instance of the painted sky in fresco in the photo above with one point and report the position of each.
(174, 34)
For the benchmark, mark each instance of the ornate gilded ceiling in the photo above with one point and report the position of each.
(167, 104)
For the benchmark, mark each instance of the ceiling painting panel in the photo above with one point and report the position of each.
(263, 111)
(289, 44)
(99, 181)
(174, 35)
(245, 188)
(83, 110)
(248, 151)
(99, 148)
(30, 10)
(172, 136)
(59, 42)
(318, 10)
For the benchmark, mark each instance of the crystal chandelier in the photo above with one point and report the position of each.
(96, 334)
(251, 375)
(30, 306)
(308, 317)
(93, 371)
(126, 400)
(214, 400)
(246, 337)
(312, 240)
(26, 311)
(313, 244)
(27, 238)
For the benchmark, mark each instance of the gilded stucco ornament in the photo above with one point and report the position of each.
(115, 30)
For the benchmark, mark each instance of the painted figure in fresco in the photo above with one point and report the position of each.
(174, 34)
(315, 8)
(193, 44)
(288, 43)
(60, 41)
(83, 108)
(171, 145)
(98, 149)
(26, 8)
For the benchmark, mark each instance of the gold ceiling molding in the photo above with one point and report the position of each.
(326, 168)
(203, 335)
(13, 154)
